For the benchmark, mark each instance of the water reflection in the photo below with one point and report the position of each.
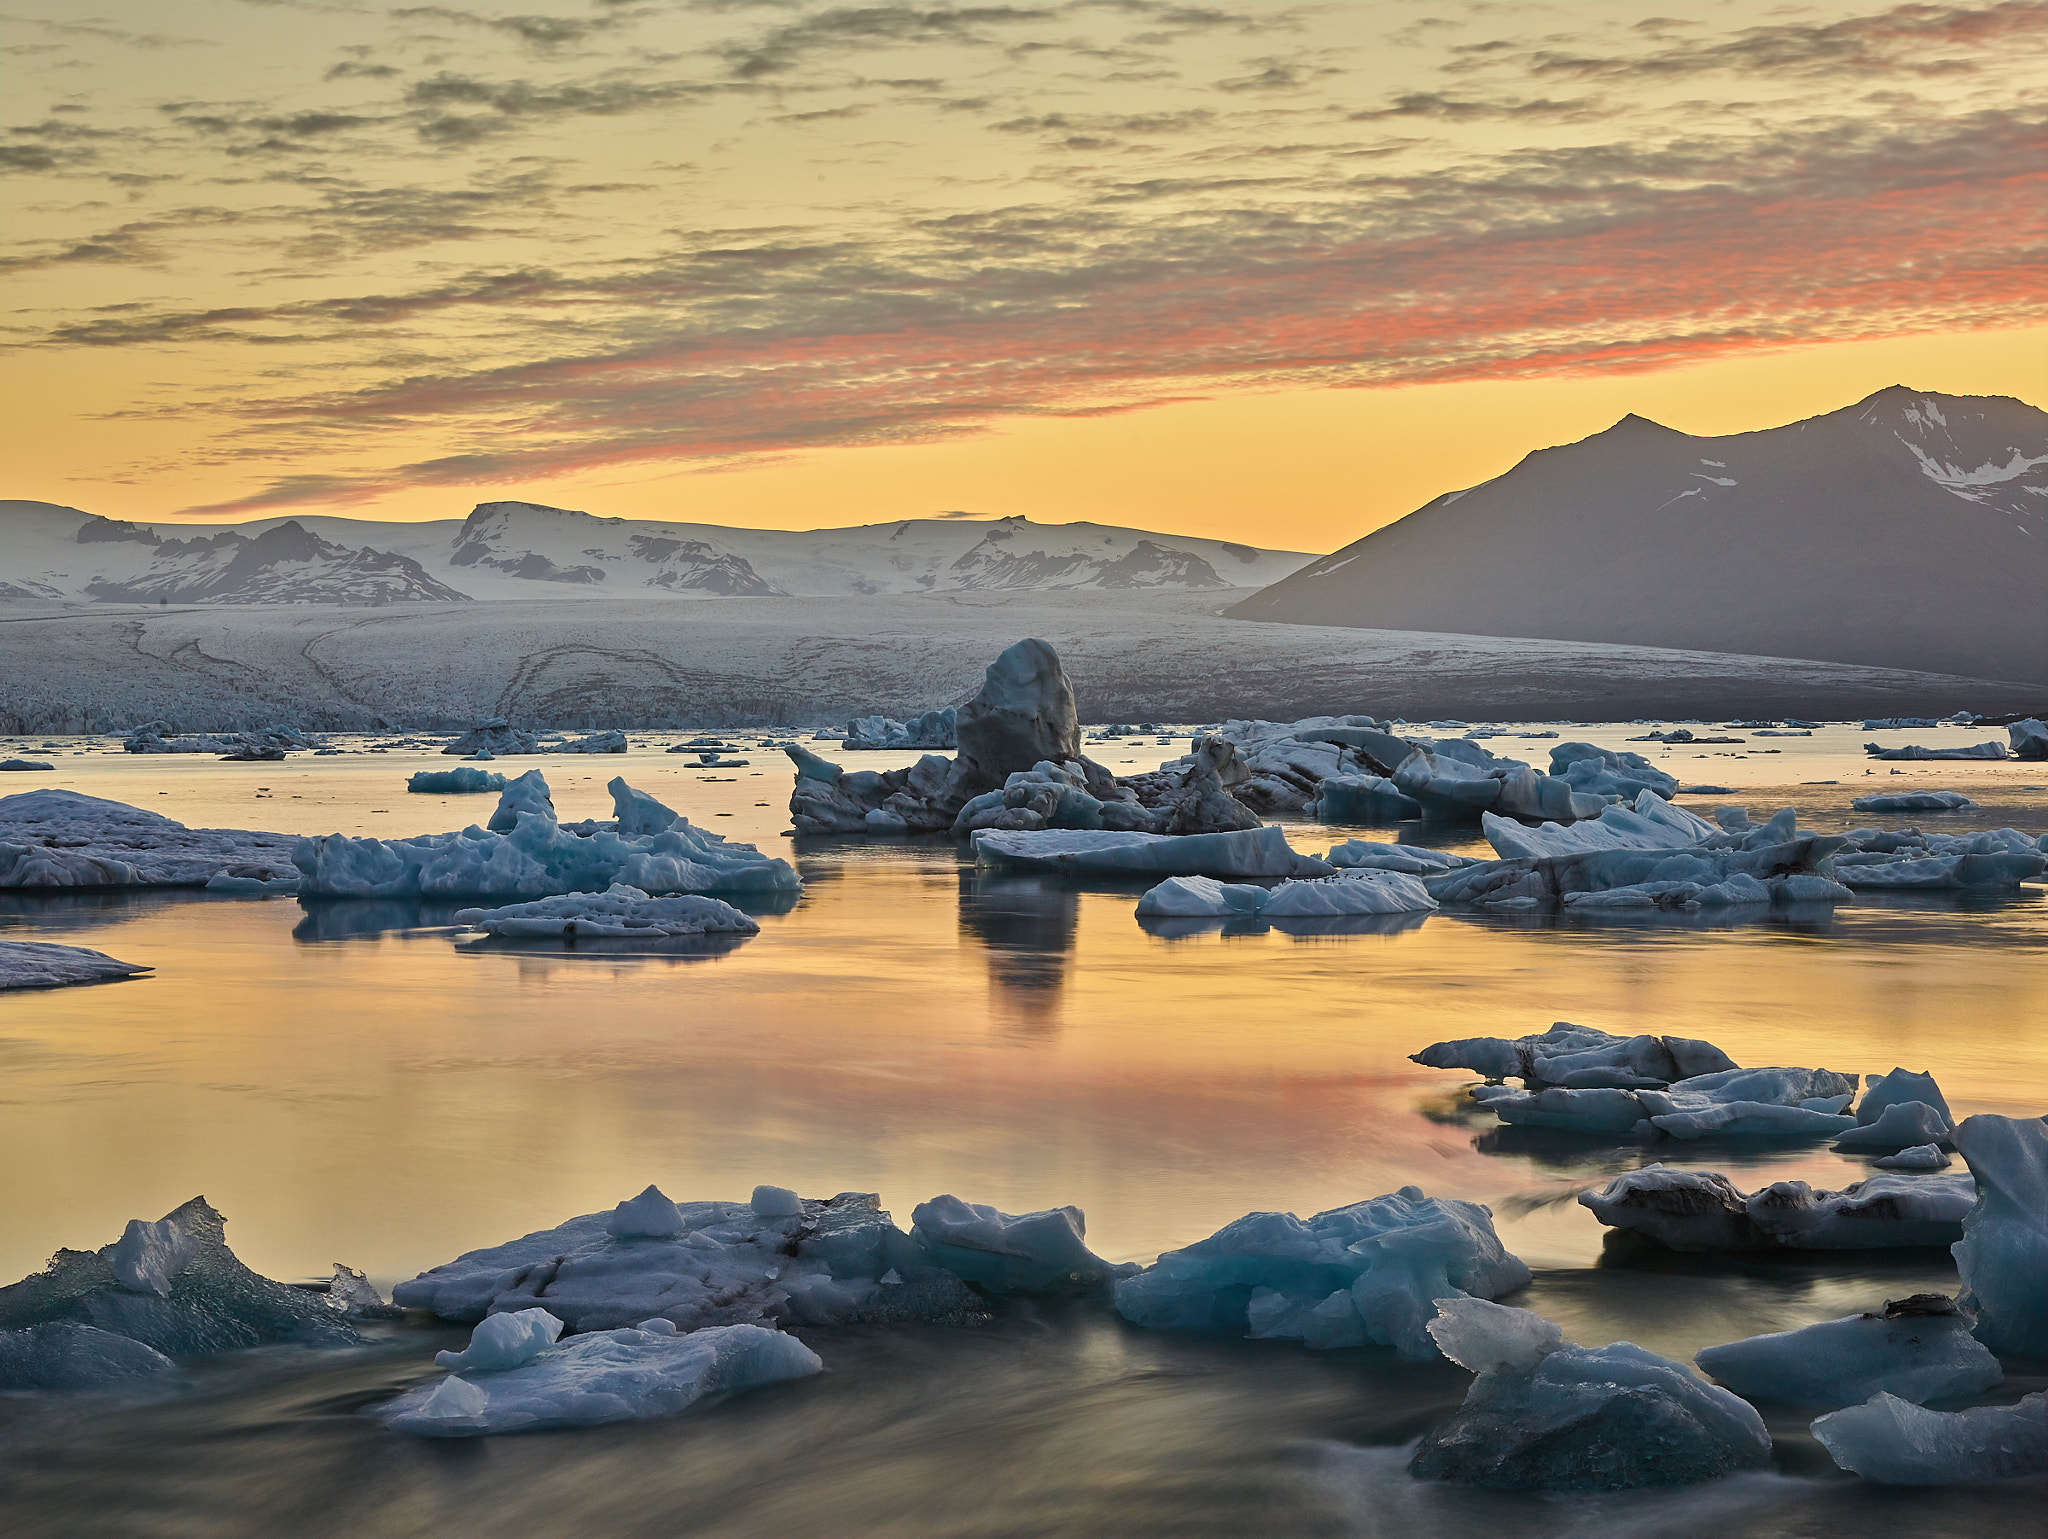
(1026, 927)
(343, 919)
(607, 948)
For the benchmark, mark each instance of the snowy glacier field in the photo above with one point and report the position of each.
(350, 1082)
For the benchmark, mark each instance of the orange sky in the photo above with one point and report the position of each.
(1271, 273)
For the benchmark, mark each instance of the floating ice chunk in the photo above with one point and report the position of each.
(637, 812)
(505, 1341)
(1919, 1157)
(253, 886)
(1988, 748)
(1360, 891)
(1455, 779)
(1897, 1088)
(2003, 1254)
(1752, 1119)
(1041, 1252)
(1919, 1349)
(41, 965)
(1687, 1210)
(1362, 1274)
(2029, 738)
(1361, 799)
(1791, 870)
(1609, 772)
(1902, 1125)
(619, 912)
(1651, 824)
(1947, 872)
(1414, 859)
(1262, 851)
(1593, 1110)
(62, 1355)
(1546, 1415)
(1901, 1444)
(148, 1256)
(1912, 801)
(526, 794)
(605, 1376)
(650, 1216)
(1694, 1210)
(1580, 1057)
(1761, 1102)
(1201, 897)
(776, 1202)
(1485, 1337)
(460, 781)
(53, 838)
(934, 729)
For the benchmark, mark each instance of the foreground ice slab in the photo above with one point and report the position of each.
(1545, 1415)
(619, 912)
(1919, 1349)
(1580, 1057)
(703, 1263)
(1897, 1443)
(1249, 852)
(53, 838)
(1700, 1210)
(998, 1252)
(2003, 1254)
(174, 1286)
(1352, 1276)
(64, 1355)
(601, 1377)
(534, 856)
(40, 965)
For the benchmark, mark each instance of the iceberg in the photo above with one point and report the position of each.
(1793, 871)
(1262, 851)
(63, 1355)
(1988, 748)
(2029, 738)
(1899, 1088)
(1580, 1057)
(1919, 1349)
(1901, 1444)
(460, 781)
(1696, 1210)
(1756, 1102)
(1411, 859)
(23, 764)
(1607, 772)
(619, 912)
(602, 1377)
(1361, 799)
(175, 1287)
(1650, 824)
(1364, 1274)
(51, 838)
(1201, 897)
(1919, 1157)
(43, 965)
(775, 1258)
(1905, 1125)
(1042, 1252)
(2003, 1253)
(1938, 873)
(934, 729)
(1458, 780)
(1912, 801)
(1348, 893)
(1545, 1415)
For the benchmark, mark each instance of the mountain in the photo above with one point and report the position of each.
(62, 553)
(526, 550)
(1907, 531)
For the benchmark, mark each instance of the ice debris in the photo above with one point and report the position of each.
(619, 912)
(460, 781)
(1043, 1252)
(1918, 1348)
(1545, 1415)
(2003, 1252)
(1897, 1443)
(1701, 1210)
(1367, 1273)
(42, 965)
(589, 1380)
(64, 1355)
(505, 1341)
(1260, 851)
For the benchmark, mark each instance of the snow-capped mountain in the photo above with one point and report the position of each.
(62, 553)
(525, 550)
(1909, 530)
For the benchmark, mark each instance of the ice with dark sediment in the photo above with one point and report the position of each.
(1004, 1253)
(618, 913)
(529, 1380)
(1894, 1442)
(1700, 1210)
(2003, 1252)
(1546, 1415)
(1787, 873)
(51, 838)
(1253, 852)
(1366, 1274)
(45, 965)
(1917, 1348)
(1580, 1056)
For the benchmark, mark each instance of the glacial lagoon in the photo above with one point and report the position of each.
(349, 1082)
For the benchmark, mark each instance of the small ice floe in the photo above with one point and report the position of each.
(1364, 1274)
(1897, 1443)
(526, 853)
(1919, 1157)
(1912, 801)
(1580, 1057)
(1043, 1252)
(54, 838)
(1701, 1210)
(1201, 897)
(516, 1376)
(1260, 851)
(1900, 1110)
(1988, 748)
(41, 965)
(1546, 1415)
(1919, 1349)
(22, 764)
(460, 781)
(1347, 894)
(620, 912)
(2003, 1254)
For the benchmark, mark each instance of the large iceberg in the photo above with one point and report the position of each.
(53, 838)
(1545, 1415)
(537, 857)
(1367, 1273)
(589, 1380)
(1043, 1252)
(1701, 1210)
(2003, 1253)
(1254, 852)
(1580, 1057)
(1898, 1443)
(42, 965)
(775, 1258)
(1918, 1348)
(617, 913)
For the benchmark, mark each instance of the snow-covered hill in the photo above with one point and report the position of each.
(524, 550)
(1907, 531)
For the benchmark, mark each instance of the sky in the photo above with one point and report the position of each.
(1262, 271)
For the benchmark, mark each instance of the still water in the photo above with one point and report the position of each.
(352, 1083)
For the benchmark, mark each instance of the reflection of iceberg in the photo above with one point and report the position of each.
(1305, 927)
(366, 918)
(1026, 926)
